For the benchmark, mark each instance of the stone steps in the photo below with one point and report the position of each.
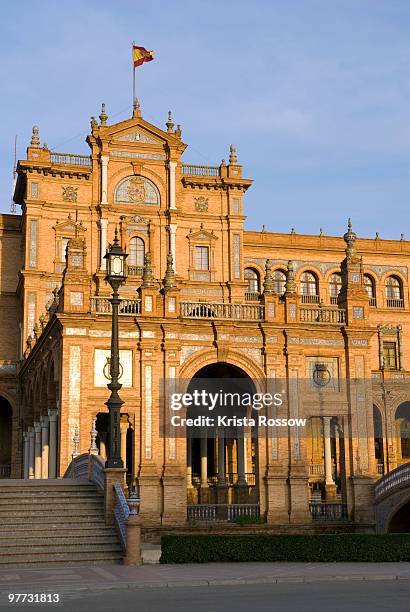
(54, 522)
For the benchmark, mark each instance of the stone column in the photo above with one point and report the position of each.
(329, 482)
(189, 464)
(26, 454)
(204, 462)
(172, 204)
(240, 446)
(44, 446)
(104, 179)
(221, 459)
(37, 452)
(123, 430)
(103, 242)
(52, 444)
(31, 452)
(172, 228)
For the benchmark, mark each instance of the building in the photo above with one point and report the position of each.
(203, 298)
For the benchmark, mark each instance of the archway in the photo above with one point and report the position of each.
(222, 458)
(402, 420)
(400, 521)
(5, 437)
(378, 439)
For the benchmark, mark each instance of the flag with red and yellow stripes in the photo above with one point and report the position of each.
(141, 55)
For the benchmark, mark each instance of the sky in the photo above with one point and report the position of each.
(315, 94)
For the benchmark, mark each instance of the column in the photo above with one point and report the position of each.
(104, 179)
(329, 482)
(221, 459)
(204, 462)
(103, 241)
(172, 165)
(172, 228)
(37, 451)
(189, 463)
(102, 436)
(52, 444)
(31, 452)
(123, 431)
(26, 455)
(44, 446)
(240, 449)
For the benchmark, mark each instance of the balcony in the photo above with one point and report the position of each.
(309, 299)
(395, 303)
(102, 305)
(190, 170)
(372, 302)
(252, 296)
(322, 315)
(214, 310)
(135, 270)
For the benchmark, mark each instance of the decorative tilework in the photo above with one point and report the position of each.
(33, 243)
(358, 312)
(237, 256)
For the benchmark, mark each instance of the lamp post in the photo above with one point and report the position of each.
(116, 276)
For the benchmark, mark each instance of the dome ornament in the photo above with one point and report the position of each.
(35, 138)
(170, 124)
(103, 115)
(233, 158)
(350, 239)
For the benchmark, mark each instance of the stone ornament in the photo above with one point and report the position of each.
(70, 194)
(201, 204)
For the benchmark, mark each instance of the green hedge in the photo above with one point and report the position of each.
(261, 547)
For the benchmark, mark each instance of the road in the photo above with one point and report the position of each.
(327, 596)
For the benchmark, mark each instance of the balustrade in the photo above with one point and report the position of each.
(102, 305)
(322, 315)
(216, 310)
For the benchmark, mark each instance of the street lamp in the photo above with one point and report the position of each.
(116, 276)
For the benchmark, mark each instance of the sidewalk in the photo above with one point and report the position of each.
(106, 577)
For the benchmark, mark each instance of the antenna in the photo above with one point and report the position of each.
(12, 203)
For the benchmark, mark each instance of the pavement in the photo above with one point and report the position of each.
(100, 578)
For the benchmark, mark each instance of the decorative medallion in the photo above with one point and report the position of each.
(321, 375)
(70, 194)
(201, 204)
(136, 189)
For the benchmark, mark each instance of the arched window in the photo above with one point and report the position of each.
(136, 255)
(402, 419)
(394, 292)
(308, 288)
(252, 279)
(370, 288)
(279, 281)
(335, 284)
(378, 439)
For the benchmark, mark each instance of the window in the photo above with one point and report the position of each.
(335, 285)
(308, 288)
(393, 289)
(369, 286)
(64, 243)
(390, 355)
(279, 281)
(252, 278)
(136, 252)
(202, 258)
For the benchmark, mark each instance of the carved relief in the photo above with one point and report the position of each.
(70, 194)
(201, 204)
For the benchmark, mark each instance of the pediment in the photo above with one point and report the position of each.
(137, 136)
(68, 226)
(202, 235)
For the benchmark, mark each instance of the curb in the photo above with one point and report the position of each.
(64, 588)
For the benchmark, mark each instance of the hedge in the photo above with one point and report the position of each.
(262, 547)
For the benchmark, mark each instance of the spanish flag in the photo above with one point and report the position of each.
(141, 55)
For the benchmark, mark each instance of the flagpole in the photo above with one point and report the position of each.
(133, 74)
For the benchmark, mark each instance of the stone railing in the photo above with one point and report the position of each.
(78, 467)
(5, 470)
(121, 514)
(322, 315)
(96, 467)
(216, 310)
(71, 160)
(328, 511)
(252, 296)
(395, 303)
(135, 270)
(398, 478)
(191, 170)
(309, 299)
(102, 305)
(221, 512)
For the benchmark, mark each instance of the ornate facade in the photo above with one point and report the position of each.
(203, 295)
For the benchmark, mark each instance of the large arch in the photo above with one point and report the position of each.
(222, 459)
(400, 521)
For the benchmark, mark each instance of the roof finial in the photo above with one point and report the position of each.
(170, 123)
(137, 108)
(233, 158)
(103, 116)
(35, 139)
(350, 239)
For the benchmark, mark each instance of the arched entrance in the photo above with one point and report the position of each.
(402, 421)
(222, 458)
(400, 521)
(5, 437)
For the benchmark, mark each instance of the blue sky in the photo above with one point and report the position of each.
(314, 93)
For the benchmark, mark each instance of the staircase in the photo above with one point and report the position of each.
(48, 522)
